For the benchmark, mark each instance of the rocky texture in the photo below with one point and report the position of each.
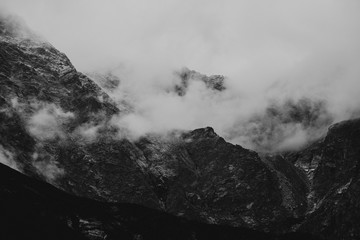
(204, 177)
(332, 167)
(31, 209)
(50, 113)
(187, 76)
(33, 75)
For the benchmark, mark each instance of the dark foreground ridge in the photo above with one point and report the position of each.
(31, 209)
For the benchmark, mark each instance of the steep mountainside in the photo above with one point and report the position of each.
(49, 112)
(333, 167)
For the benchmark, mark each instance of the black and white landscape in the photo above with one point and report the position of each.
(180, 120)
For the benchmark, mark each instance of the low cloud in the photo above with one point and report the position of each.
(48, 121)
(284, 125)
(88, 131)
(261, 122)
(47, 166)
(7, 158)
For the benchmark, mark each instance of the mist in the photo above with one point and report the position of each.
(46, 123)
(281, 55)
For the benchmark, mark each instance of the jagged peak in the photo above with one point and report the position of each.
(202, 133)
(213, 82)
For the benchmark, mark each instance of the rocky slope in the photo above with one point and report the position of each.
(32, 209)
(332, 167)
(49, 112)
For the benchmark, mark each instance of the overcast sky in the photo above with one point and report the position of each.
(308, 48)
(227, 37)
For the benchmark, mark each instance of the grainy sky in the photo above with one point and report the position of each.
(267, 49)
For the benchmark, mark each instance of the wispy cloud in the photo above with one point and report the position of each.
(7, 158)
(47, 122)
(46, 165)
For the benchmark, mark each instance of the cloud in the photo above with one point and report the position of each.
(283, 125)
(264, 122)
(7, 158)
(268, 51)
(88, 131)
(47, 122)
(47, 165)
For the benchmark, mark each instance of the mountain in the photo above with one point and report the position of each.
(32, 209)
(332, 166)
(50, 113)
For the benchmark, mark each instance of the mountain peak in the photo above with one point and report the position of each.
(201, 133)
(187, 76)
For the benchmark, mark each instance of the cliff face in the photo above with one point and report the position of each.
(48, 111)
(204, 177)
(332, 167)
